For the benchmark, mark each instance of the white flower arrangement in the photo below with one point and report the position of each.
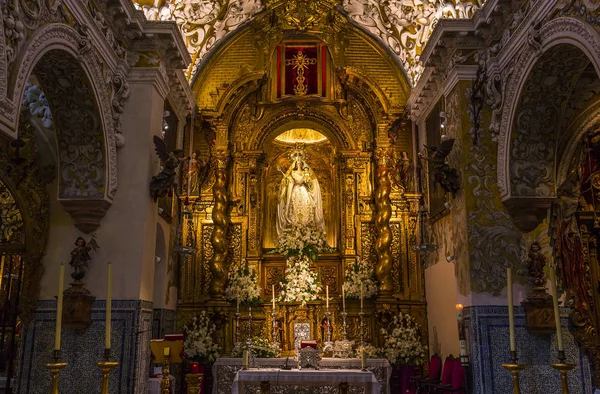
(300, 283)
(261, 348)
(301, 241)
(403, 344)
(360, 272)
(242, 284)
(370, 350)
(198, 344)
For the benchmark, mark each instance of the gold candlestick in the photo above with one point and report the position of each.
(105, 366)
(55, 368)
(165, 383)
(515, 369)
(194, 383)
(564, 369)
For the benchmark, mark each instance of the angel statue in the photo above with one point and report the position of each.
(81, 255)
(443, 174)
(300, 203)
(161, 184)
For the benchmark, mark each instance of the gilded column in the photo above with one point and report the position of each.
(383, 205)
(218, 262)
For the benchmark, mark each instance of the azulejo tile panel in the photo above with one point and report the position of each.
(489, 348)
(131, 332)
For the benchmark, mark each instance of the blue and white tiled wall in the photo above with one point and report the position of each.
(131, 333)
(489, 348)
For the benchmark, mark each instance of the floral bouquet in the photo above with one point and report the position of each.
(242, 284)
(198, 344)
(301, 241)
(360, 272)
(260, 348)
(370, 350)
(403, 344)
(300, 283)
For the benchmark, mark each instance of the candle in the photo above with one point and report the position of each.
(459, 312)
(556, 311)
(327, 297)
(195, 368)
(343, 299)
(273, 291)
(511, 312)
(245, 359)
(363, 359)
(461, 330)
(361, 295)
(108, 307)
(59, 306)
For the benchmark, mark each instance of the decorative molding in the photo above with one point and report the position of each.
(404, 27)
(203, 23)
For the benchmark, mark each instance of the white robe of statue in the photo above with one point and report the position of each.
(300, 203)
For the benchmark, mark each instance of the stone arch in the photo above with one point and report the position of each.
(557, 32)
(69, 72)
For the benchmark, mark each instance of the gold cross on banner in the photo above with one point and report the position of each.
(300, 63)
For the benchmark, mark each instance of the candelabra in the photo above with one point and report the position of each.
(344, 315)
(250, 323)
(274, 326)
(105, 366)
(361, 315)
(515, 369)
(237, 325)
(328, 343)
(55, 368)
(564, 369)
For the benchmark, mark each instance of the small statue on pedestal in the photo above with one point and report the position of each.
(77, 311)
(536, 264)
(80, 256)
(539, 314)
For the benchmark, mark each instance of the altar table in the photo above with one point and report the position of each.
(330, 378)
(225, 370)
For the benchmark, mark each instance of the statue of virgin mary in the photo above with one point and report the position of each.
(300, 203)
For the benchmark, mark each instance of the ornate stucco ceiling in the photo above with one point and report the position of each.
(403, 26)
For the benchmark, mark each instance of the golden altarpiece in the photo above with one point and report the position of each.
(296, 79)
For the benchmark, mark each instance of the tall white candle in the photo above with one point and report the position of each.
(511, 311)
(361, 295)
(59, 306)
(273, 291)
(108, 307)
(556, 311)
(327, 297)
(343, 299)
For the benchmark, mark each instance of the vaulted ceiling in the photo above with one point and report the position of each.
(402, 27)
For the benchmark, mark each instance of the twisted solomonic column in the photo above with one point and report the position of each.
(218, 262)
(383, 206)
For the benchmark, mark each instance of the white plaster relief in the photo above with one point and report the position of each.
(405, 26)
(203, 22)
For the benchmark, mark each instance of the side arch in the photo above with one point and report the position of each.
(68, 70)
(556, 32)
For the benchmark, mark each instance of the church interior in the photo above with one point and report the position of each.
(307, 196)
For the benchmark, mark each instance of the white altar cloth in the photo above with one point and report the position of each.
(225, 370)
(305, 377)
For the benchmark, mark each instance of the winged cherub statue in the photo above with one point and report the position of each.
(161, 184)
(443, 174)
